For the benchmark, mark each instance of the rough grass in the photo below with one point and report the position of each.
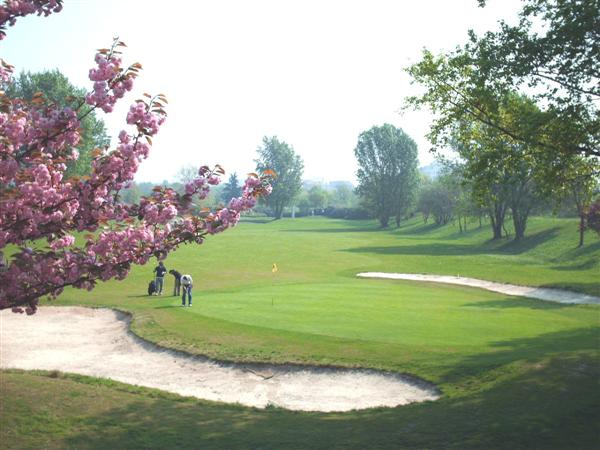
(515, 372)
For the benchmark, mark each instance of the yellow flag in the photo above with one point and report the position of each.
(274, 269)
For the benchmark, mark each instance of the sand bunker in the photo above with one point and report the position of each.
(96, 342)
(552, 295)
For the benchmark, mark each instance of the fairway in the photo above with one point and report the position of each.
(305, 225)
(517, 363)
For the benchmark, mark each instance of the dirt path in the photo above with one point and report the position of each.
(97, 342)
(552, 295)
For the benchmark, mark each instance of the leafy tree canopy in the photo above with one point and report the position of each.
(387, 173)
(278, 156)
(551, 55)
(58, 90)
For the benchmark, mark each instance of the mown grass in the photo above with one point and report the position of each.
(515, 372)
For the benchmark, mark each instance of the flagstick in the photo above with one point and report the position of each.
(273, 272)
(272, 282)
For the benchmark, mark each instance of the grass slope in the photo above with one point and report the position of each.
(515, 373)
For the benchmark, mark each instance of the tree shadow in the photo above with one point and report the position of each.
(438, 249)
(587, 249)
(339, 230)
(259, 220)
(529, 349)
(521, 302)
(529, 242)
(586, 265)
(429, 249)
(458, 235)
(419, 229)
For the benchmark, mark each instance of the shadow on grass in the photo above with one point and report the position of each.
(556, 397)
(529, 242)
(439, 249)
(586, 265)
(522, 302)
(587, 249)
(419, 229)
(340, 230)
(527, 393)
(430, 249)
(259, 220)
(530, 350)
(348, 226)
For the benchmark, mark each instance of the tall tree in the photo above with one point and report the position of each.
(343, 196)
(231, 189)
(318, 197)
(280, 157)
(187, 173)
(552, 55)
(58, 90)
(387, 174)
(502, 174)
(438, 199)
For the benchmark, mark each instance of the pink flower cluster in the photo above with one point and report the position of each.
(141, 115)
(201, 186)
(38, 204)
(18, 8)
(110, 82)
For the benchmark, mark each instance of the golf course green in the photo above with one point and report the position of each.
(513, 372)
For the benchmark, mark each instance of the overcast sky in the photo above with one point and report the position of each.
(314, 73)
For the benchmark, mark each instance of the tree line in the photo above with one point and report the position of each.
(515, 113)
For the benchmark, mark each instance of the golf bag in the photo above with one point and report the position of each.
(152, 287)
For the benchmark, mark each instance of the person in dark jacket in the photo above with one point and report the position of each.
(160, 271)
(177, 285)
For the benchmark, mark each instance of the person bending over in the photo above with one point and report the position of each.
(186, 284)
(177, 284)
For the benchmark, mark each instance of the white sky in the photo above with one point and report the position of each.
(314, 73)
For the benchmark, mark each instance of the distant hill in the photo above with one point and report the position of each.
(432, 170)
(327, 185)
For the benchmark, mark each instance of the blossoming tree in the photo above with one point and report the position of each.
(77, 231)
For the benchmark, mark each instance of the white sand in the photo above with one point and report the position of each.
(552, 295)
(96, 342)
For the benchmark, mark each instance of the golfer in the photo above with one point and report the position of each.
(186, 285)
(160, 271)
(177, 284)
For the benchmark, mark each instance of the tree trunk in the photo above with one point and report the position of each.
(496, 227)
(520, 222)
(581, 228)
(519, 231)
(497, 231)
(384, 221)
(278, 211)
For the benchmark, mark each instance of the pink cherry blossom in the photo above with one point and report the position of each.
(38, 203)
